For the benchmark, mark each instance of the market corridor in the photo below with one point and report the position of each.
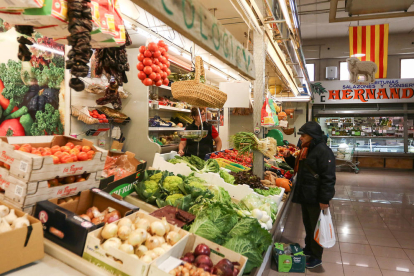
(374, 220)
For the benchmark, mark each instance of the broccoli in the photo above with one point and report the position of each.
(14, 87)
(48, 122)
(173, 198)
(151, 186)
(171, 184)
(156, 177)
(211, 166)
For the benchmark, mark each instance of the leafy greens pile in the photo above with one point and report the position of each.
(197, 164)
(217, 220)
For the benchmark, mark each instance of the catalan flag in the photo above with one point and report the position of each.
(370, 43)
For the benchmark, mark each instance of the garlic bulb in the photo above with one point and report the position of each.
(125, 221)
(109, 231)
(10, 217)
(127, 248)
(4, 211)
(157, 228)
(124, 232)
(21, 222)
(4, 226)
(141, 250)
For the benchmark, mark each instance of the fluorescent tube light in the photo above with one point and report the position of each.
(359, 55)
(285, 12)
(214, 71)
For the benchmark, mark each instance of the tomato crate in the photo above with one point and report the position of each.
(30, 167)
(26, 194)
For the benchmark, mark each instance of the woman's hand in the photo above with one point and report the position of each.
(323, 206)
(181, 152)
(287, 153)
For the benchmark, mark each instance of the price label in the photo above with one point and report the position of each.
(380, 131)
(353, 132)
(362, 133)
(384, 131)
(328, 124)
(333, 132)
(283, 123)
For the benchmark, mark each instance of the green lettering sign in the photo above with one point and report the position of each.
(215, 27)
(166, 9)
(192, 13)
(123, 190)
(201, 24)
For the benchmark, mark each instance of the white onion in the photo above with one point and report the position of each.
(124, 232)
(4, 211)
(127, 248)
(166, 225)
(125, 221)
(112, 242)
(151, 253)
(137, 237)
(166, 246)
(159, 251)
(152, 243)
(134, 256)
(146, 259)
(157, 228)
(143, 224)
(10, 217)
(258, 214)
(141, 250)
(265, 218)
(161, 239)
(173, 237)
(109, 231)
(269, 224)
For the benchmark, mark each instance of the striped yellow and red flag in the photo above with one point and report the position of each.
(370, 43)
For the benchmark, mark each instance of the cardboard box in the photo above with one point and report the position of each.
(117, 146)
(63, 225)
(31, 167)
(129, 266)
(217, 254)
(21, 246)
(294, 261)
(26, 194)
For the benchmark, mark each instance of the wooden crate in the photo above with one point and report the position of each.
(30, 167)
(25, 194)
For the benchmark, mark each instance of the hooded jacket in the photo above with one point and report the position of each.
(321, 161)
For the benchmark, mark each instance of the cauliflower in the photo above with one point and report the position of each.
(151, 186)
(171, 184)
(156, 177)
(196, 184)
(173, 198)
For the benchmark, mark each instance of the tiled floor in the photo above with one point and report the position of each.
(373, 215)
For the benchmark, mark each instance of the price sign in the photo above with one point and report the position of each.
(362, 133)
(328, 124)
(333, 132)
(283, 123)
(353, 132)
(380, 131)
(384, 131)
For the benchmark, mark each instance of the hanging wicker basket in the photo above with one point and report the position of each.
(289, 111)
(196, 93)
(288, 131)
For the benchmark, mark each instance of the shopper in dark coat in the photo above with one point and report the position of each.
(315, 183)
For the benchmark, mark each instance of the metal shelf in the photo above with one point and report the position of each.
(367, 137)
(164, 107)
(165, 128)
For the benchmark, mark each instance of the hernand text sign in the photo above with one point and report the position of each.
(192, 20)
(382, 91)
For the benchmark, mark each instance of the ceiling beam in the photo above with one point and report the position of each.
(333, 18)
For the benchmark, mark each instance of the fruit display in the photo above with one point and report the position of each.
(293, 150)
(140, 238)
(66, 180)
(199, 263)
(66, 154)
(157, 121)
(100, 116)
(10, 221)
(153, 64)
(95, 216)
(235, 156)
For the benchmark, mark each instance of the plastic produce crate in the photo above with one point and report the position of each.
(234, 167)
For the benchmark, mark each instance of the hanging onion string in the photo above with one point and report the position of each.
(247, 141)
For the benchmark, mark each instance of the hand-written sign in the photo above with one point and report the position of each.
(192, 20)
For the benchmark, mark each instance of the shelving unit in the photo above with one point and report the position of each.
(163, 107)
(165, 128)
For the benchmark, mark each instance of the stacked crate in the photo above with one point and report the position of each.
(27, 180)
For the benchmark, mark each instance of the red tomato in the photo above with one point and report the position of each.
(16, 147)
(66, 158)
(158, 82)
(14, 125)
(157, 77)
(55, 159)
(80, 179)
(35, 151)
(142, 75)
(82, 156)
(70, 144)
(152, 46)
(148, 82)
(69, 179)
(140, 66)
(74, 157)
(166, 47)
(79, 147)
(53, 182)
(162, 59)
(55, 149)
(156, 54)
(154, 67)
(27, 146)
(152, 76)
(147, 70)
(86, 148)
(25, 149)
(147, 54)
(161, 43)
(142, 49)
(156, 61)
(165, 82)
(163, 75)
(58, 154)
(147, 62)
(162, 50)
(74, 151)
(141, 57)
(46, 153)
(65, 149)
(168, 71)
(166, 55)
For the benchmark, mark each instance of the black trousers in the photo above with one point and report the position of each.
(310, 216)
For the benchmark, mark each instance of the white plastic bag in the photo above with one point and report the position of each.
(324, 231)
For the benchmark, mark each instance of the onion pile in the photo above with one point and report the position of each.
(140, 238)
(95, 216)
(9, 220)
(200, 264)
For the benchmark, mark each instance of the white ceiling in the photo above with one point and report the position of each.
(315, 24)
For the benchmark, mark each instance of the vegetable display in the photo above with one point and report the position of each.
(234, 156)
(95, 216)
(197, 164)
(140, 238)
(270, 192)
(247, 177)
(66, 180)
(153, 64)
(10, 221)
(247, 141)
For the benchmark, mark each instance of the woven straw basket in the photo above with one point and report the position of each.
(196, 93)
(288, 131)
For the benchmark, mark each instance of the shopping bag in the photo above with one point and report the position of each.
(266, 115)
(274, 114)
(324, 231)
